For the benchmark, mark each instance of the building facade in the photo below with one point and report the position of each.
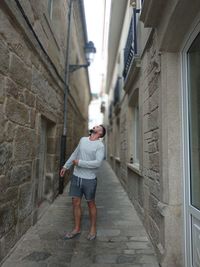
(33, 41)
(153, 120)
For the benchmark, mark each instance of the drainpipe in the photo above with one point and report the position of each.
(66, 91)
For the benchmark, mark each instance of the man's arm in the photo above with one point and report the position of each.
(70, 161)
(73, 156)
(93, 163)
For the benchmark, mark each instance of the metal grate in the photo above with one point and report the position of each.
(131, 44)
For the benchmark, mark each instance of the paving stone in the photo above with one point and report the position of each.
(106, 258)
(148, 259)
(124, 223)
(129, 251)
(113, 212)
(138, 245)
(25, 264)
(127, 259)
(145, 251)
(150, 265)
(61, 257)
(37, 256)
(118, 238)
(141, 238)
(108, 232)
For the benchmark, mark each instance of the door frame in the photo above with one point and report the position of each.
(188, 208)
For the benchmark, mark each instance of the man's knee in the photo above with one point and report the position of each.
(76, 202)
(91, 204)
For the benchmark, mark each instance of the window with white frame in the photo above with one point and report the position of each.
(50, 8)
(117, 138)
(134, 137)
(136, 133)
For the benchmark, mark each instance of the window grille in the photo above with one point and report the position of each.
(131, 48)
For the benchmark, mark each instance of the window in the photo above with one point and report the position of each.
(136, 133)
(134, 136)
(194, 119)
(110, 143)
(131, 49)
(50, 8)
(47, 151)
(117, 138)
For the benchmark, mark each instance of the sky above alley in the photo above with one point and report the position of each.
(95, 14)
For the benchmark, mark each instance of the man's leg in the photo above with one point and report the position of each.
(76, 201)
(93, 216)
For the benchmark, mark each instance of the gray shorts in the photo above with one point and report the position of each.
(80, 186)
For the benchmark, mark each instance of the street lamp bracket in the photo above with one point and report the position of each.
(90, 50)
(73, 68)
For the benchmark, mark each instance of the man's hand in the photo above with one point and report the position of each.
(75, 162)
(62, 172)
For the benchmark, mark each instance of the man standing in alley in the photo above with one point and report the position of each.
(86, 158)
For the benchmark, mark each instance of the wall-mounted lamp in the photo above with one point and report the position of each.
(90, 50)
(133, 3)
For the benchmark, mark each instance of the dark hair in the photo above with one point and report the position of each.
(104, 130)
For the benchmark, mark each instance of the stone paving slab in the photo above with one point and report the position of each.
(121, 238)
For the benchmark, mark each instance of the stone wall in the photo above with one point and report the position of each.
(31, 114)
(143, 185)
(123, 143)
(150, 85)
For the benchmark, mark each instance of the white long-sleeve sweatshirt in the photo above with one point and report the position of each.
(90, 155)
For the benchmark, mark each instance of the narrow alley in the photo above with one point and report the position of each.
(121, 238)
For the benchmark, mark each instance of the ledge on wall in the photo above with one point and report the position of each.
(151, 11)
(173, 28)
(135, 167)
(117, 159)
(180, 19)
(162, 208)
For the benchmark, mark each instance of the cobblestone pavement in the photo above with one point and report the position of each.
(121, 238)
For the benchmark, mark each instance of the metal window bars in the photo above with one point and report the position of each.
(131, 49)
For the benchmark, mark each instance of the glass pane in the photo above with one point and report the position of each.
(194, 119)
(50, 8)
(137, 133)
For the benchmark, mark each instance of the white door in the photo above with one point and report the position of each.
(191, 116)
